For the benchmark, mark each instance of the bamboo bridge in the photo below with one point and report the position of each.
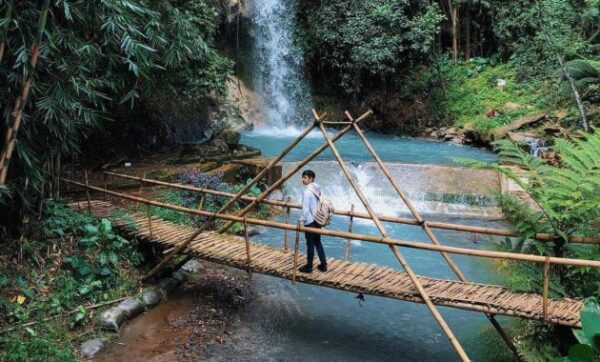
(239, 252)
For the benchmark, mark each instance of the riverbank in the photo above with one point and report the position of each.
(202, 313)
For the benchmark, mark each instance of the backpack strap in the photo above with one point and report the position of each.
(314, 192)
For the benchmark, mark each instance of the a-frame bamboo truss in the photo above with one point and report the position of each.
(329, 143)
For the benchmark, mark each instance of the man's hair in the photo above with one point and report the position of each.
(309, 173)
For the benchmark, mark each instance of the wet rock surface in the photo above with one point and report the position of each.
(199, 314)
(93, 347)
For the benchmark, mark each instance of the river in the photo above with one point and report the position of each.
(298, 322)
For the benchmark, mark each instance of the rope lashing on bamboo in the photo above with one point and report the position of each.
(294, 169)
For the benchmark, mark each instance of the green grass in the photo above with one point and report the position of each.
(473, 90)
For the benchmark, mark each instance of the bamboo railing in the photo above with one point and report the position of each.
(362, 215)
(353, 236)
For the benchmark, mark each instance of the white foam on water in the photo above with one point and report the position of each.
(384, 201)
(276, 131)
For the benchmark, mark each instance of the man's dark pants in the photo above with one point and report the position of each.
(312, 241)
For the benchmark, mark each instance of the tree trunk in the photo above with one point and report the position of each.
(561, 62)
(468, 34)
(7, 15)
(454, 18)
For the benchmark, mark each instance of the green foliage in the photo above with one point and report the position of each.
(358, 41)
(96, 57)
(570, 24)
(80, 261)
(473, 90)
(567, 198)
(34, 347)
(588, 348)
(587, 79)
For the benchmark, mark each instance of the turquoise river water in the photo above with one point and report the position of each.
(303, 322)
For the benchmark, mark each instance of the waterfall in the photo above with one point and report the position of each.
(279, 78)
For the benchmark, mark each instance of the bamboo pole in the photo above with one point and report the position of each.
(287, 221)
(545, 295)
(248, 256)
(293, 170)
(362, 215)
(149, 213)
(87, 191)
(406, 200)
(230, 203)
(424, 226)
(413, 277)
(296, 247)
(140, 190)
(201, 203)
(11, 133)
(347, 254)
(362, 237)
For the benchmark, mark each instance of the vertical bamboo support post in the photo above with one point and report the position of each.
(87, 191)
(232, 202)
(546, 282)
(287, 221)
(201, 203)
(347, 254)
(296, 247)
(149, 214)
(248, 255)
(413, 277)
(137, 204)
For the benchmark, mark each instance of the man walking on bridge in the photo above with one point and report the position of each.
(310, 199)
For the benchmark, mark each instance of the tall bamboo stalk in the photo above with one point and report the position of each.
(11, 133)
(7, 14)
(413, 277)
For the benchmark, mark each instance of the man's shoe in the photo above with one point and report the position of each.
(305, 269)
(322, 267)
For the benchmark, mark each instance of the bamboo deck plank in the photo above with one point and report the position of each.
(345, 275)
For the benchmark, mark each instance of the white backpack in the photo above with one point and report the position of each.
(324, 209)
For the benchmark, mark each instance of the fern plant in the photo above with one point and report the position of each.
(586, 74)
(568, 199)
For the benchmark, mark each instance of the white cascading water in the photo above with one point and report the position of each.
(279, 75)
(280, 82)
(381, 195)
